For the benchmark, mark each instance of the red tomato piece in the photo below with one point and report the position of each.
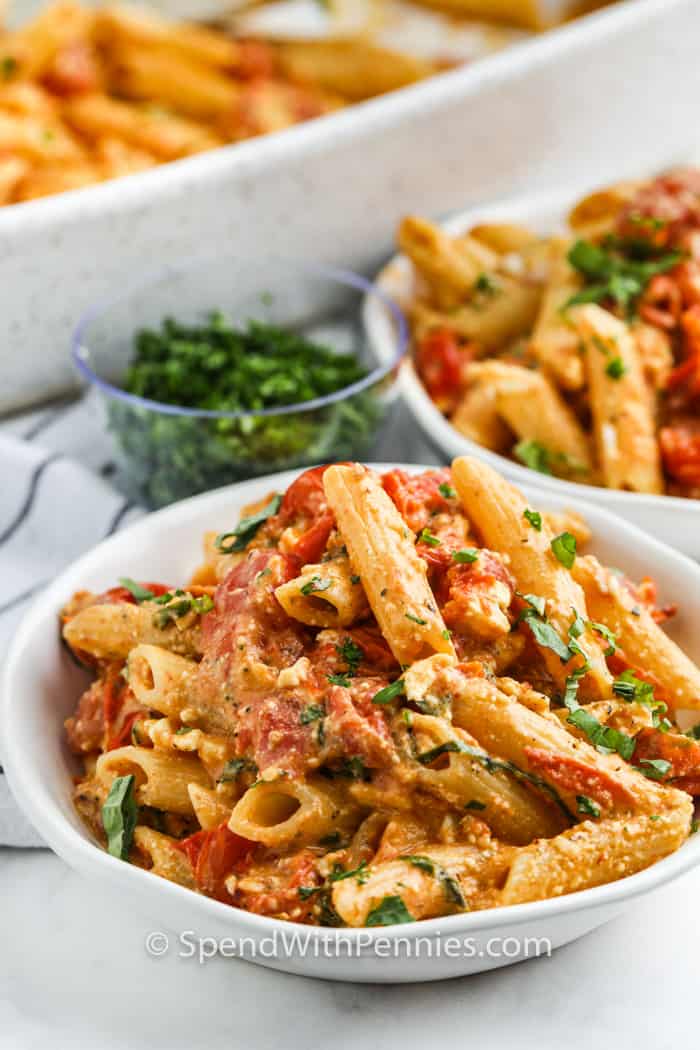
(417, 496)
(439, 360)
(214, 855)
(312, 543)
(570, 774)
(680, 451)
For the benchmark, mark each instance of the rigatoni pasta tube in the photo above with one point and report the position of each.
(163, 856)
(592, 854)
(497, 510)
(645, 645)
(110, 632)
(162, 778)
(623, 419)
(327, 595)
(382, 552)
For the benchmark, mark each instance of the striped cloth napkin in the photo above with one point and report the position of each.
(52, 510)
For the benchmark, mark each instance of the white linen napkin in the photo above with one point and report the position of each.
(52, 509)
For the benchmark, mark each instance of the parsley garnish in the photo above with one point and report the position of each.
(535, 519)
(311, 713)
(119, 815)
(615, 368)
(465, 556)
(390, 692)
(246, 528)
(234, 767)
(339, 679)
(533, 455)
(315, 584)
(447, 491)
(612, 276)
(175, 609)
(564, 548)
(426, 536)
(390, 911)
(351, 653)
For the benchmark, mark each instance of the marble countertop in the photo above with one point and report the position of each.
(74, 971)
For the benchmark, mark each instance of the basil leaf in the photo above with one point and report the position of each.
(424, 863)
(351, 653)
(426, 536)
(465, 556)
(119, 814)
(605, 633)
(390, 911)
(390, 692)
(545, 635)
(235, 767)
(361, 872)
(603, 738)
(474, 804)
(654, 768)
(246, 528)
(587, 806)
(533, 455)
(447, 491)
(564, 548)
(339, 679)
(315, 584)
(137, 591)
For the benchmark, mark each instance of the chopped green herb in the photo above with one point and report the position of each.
(355, 579)
(465, 556)
(246, 529)
(180, 607)
(694, 732)
(533, 455)
(447, 491)
(587, 806)
(535, 519)
(361, 873)
(416, 619)
(564, 549)
(426, 758)
(426, 536)
(609, 275)
(474, 804)
(351, 653)
(339, 679)
(390, 692)
(607, 634)
(390, 911)
(654, 768)
(8, 66)
(603, 738)
(119, 814)
(315, 584)
(311, 714)
(234, 767)
(486, 285)
(545, 635)
(615, 368)
(137, 590)
(308, 891)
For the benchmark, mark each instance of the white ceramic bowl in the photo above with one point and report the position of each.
(671, 519)
(40, 685)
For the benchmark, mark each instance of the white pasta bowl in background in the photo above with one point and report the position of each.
(41, 683)
(672, 519)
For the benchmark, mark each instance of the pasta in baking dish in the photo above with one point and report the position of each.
(577, 355)
(385, 698)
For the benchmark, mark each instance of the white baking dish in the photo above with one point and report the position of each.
(41, 683)
(591, 100)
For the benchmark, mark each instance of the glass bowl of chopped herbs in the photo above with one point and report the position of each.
(223, 369)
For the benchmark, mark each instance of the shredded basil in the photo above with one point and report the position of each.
(465, 556)
(535, 519)
(587, 806)
(119, 814)
(390, 692)
(390, 911)
(311, 714)
(234, 767)
(426, 536)
(416, 619)
(564, 549)
(654, 768)
(246, 528)
(315, 584)
(446, 490)
(137, 590)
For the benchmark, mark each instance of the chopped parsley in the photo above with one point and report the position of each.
(315, 585)
(564, 549)
(427, 537)
(465, 556)
(446, 490)
(312, 713)
(179, 604)
(339, 679)
(351, 653)
(246, 529)
(390, 692)
(389, 912)
(534, 455)
(535, 519)
(234, 767)
(615, 368)
(119, 814)
(612, 276)
(136, 590)
(587, 806)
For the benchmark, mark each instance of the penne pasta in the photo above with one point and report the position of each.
(555, 343)
(382, 553)
(327, 595)
(162, 779)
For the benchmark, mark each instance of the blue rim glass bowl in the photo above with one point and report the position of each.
(167, 452)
